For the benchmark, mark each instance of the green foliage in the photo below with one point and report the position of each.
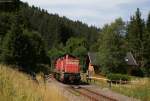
(5, 23)
(55, 53)
(80, 51)
(136, 37)
(40, 31)
(10, 43)
(118, 77)
(111, 51)
(147, 47)
(139, 72)
(55, 29)
(76, 46)
(38, 48)
(27, 33)
(9, 5)
(23, 48)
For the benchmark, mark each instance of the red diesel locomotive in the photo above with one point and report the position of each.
(67, 69)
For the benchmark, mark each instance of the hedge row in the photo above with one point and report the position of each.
(118, 77)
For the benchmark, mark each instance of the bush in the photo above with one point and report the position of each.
(24, 49)
(138, 72)
(115, 78)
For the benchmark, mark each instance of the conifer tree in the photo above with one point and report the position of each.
(147, 46)
(136, 37)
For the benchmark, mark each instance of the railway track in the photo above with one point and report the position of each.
(85, 92)
(91, 95)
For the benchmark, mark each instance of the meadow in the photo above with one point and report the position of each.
(18, 86)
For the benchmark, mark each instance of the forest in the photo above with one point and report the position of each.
(32, 38)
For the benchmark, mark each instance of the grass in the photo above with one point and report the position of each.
(16, 86)
(139, 89)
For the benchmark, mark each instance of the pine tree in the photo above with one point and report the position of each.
(136, 37)
(23, 48)
(148, 23)
(11, 42)
(147, 46)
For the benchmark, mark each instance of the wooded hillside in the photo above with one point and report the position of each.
(31, 37)
(25, 30)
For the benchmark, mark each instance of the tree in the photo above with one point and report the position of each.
(55, 29)
(136, 37)
(10, 43)
(111, 52)
(148, 23)
(147, 46)
(9, 5)
(74, 43)
(65, 33)
(77, 47)
(23, 48)
(38, 48)
(54, 53)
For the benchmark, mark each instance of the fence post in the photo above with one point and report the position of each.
(109, 83)
(120, 81)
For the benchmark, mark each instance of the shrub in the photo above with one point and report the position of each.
(24, 49)
(115, 78)
(138, 72)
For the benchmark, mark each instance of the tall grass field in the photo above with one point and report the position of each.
(16, 86)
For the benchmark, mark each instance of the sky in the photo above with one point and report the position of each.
(94, 12)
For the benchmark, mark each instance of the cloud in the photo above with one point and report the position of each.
(93, 12)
